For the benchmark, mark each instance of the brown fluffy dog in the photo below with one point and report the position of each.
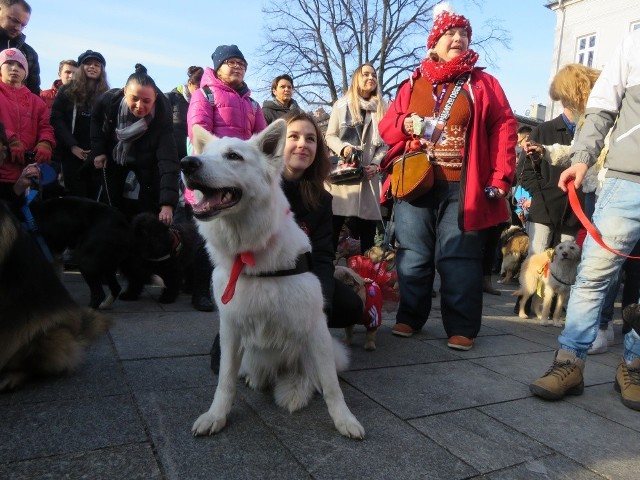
(42, 330)
(355, 282)
(557, 272)
(514, 245)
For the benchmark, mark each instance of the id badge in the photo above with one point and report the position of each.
(428, 126)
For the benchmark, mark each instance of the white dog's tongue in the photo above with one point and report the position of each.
(212, 201)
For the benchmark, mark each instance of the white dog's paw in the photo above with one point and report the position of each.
(523, 315)
(208, 424)
(545, 323)
(557, 323)
(350, 427)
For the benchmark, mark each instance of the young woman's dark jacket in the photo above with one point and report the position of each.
(157, 165)
(273, 110)
(318, 225)
(61, 121)
(179, 108)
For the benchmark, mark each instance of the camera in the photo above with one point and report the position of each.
(29, 156)
(491, 192)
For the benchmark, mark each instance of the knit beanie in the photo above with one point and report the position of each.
(224, 52)
(91, 54)
(13, 54)
(444, 18)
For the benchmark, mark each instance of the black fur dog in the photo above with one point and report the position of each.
(99, 236)
(104, 242)
(163, 251)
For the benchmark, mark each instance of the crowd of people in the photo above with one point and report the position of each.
(122, 146)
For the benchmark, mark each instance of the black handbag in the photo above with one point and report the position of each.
(347, 169)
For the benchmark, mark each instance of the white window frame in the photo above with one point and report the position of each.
(587, 54)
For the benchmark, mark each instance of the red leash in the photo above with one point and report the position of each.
(586, 223)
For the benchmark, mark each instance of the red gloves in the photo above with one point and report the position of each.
(17, 150)
(43, 152)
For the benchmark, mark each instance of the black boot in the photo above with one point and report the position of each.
(215, 355)
(201, 296)
(202, 302)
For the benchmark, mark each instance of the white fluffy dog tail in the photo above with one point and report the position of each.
(341, 355)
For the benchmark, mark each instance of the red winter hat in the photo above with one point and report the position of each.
(444, 18)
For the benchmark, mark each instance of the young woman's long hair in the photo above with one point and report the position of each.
(313, 178)
(354, 94)
(84, 90)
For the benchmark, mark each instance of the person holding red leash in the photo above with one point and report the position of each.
(614, 102)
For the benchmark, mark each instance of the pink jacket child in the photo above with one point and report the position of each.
(25, 117)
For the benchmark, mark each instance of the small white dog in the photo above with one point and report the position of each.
(273, 330)
(555, 273)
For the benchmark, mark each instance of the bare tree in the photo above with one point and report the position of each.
(320, 42)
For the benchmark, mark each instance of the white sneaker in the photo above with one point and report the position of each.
(599, 344)
(609, 334)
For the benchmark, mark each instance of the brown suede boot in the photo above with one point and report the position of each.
(564, 377)
(487, 286)
(628, 383)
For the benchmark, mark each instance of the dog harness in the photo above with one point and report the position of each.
(176, 247)
(303, 265)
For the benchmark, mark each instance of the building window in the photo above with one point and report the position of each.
(635, 26)
(586, 50)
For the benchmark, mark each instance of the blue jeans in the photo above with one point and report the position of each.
(616, 217)
(429, 237)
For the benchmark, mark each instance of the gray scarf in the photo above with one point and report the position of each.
(128, 131)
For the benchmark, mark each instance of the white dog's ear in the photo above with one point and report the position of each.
(200, 138)
(271, 142)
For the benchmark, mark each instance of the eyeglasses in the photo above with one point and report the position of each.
(236, 64)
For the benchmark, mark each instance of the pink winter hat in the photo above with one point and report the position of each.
(13, 54)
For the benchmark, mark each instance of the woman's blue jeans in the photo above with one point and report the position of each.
(429, 238)
(617, 217)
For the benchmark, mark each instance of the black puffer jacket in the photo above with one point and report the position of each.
(272, 110)
(157, 166)
(549, 204)
(179, 107)
(32, 82)
(318, 225)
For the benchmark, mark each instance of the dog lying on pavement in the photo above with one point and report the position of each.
(273, 330)
(551, 273)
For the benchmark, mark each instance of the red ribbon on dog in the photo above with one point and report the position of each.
(586, 223)
(242, 259)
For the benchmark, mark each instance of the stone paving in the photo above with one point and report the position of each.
(429, 412)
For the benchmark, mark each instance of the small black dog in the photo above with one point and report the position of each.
(104, 242)
(99, 235)
(163, 251)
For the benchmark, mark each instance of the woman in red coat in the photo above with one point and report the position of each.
(444, 229)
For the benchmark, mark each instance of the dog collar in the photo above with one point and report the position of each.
(176, 247)
(303, 265)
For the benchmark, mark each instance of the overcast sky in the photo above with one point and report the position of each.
(168, 36)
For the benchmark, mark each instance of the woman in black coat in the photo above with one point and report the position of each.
(71, 120)
(132, 131)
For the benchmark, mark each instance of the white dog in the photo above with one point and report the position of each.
(272, 327)
(555, 272)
